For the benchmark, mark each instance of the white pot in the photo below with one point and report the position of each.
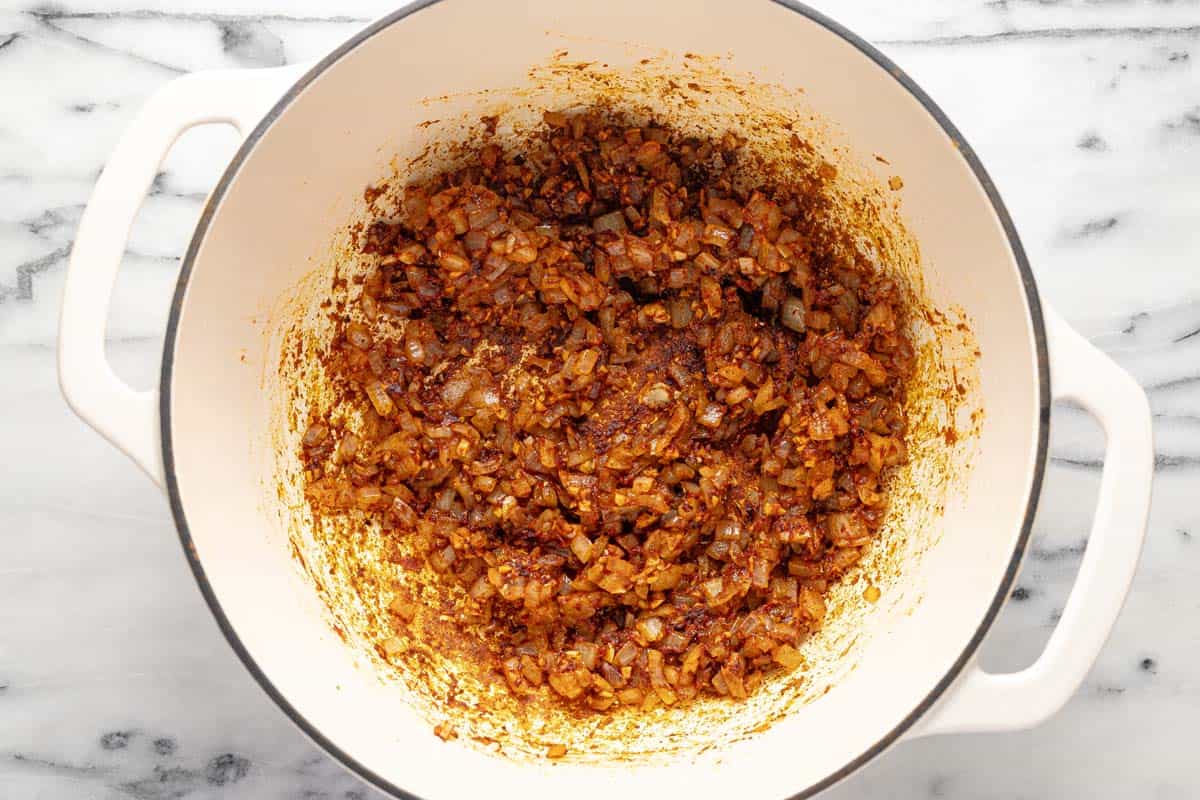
(289, 188)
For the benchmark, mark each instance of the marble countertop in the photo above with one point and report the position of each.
(114, 680)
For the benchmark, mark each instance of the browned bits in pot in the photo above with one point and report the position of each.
(637, 418)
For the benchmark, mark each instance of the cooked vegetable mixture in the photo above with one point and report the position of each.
(636, 417)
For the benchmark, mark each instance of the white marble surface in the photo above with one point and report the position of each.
(114, 681)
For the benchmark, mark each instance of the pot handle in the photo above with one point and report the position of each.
(125, 416)
(984, 701)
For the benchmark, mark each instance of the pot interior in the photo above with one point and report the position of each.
(241, 383)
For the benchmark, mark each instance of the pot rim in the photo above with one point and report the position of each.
(1033, 304)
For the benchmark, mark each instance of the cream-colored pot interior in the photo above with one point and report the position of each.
(275, 224)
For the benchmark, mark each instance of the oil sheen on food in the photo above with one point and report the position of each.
(613, 417)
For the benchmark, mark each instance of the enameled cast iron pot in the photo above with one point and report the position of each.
(314, 134)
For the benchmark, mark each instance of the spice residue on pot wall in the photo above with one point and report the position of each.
(353, 566)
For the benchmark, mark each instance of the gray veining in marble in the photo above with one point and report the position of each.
(114, 681)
